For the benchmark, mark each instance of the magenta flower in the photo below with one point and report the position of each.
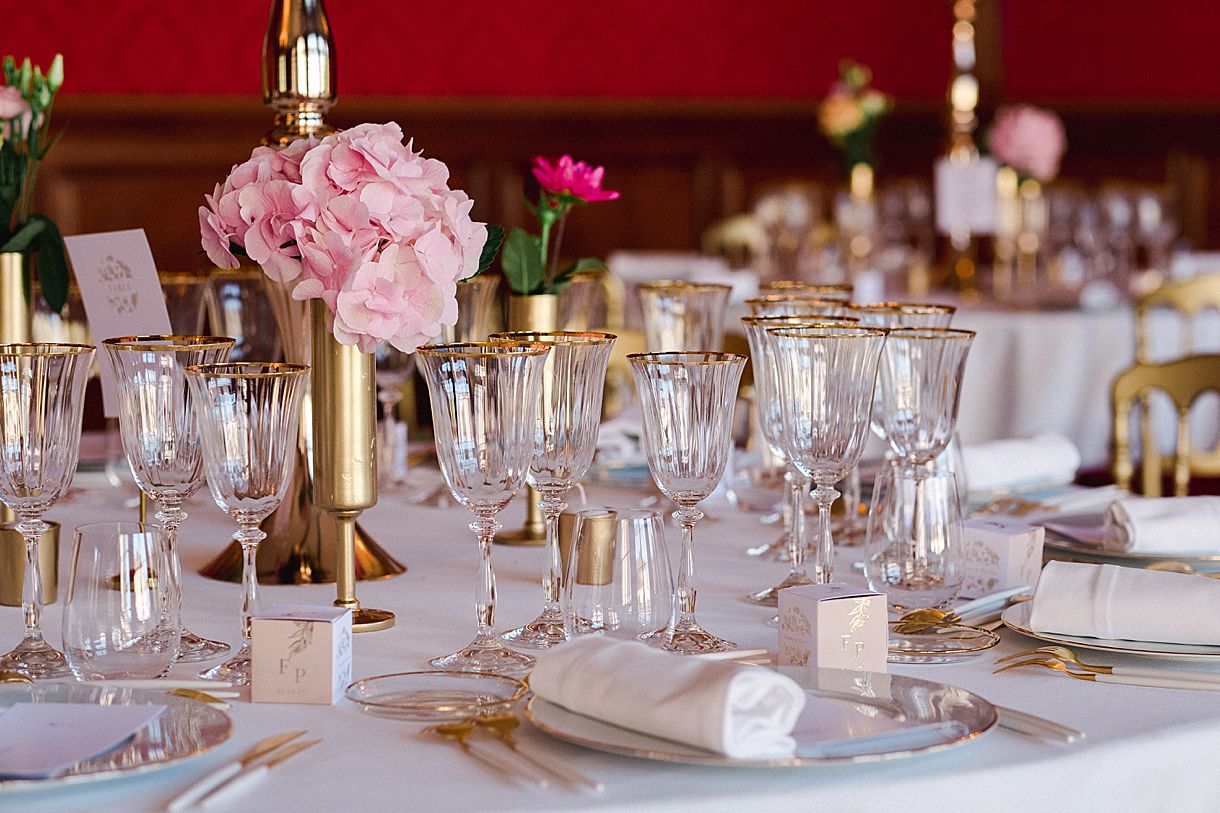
(575, 178)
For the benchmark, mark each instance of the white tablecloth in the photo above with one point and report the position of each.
(1146, 748)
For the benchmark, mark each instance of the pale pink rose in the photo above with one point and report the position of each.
(1030, 140)
(12, 104)
(390, 299)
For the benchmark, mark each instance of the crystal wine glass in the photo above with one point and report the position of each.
(394, 369)
(160, 433)
(683, 316)
(248, 418)
(826, 378)
(794, 305)
(796, 287)
(42, 397)
(484, 404)
(565, 437)
(687, 401)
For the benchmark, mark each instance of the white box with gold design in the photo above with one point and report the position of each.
(999, 553)
(833, 626)
(302, 654)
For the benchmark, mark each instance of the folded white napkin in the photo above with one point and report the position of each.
(1049, 459)
(1169, 525)
(743, 712)
(1108, 601)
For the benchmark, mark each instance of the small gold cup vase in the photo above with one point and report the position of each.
(345, 453)
(536, 312)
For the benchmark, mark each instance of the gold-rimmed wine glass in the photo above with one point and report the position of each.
(42, 396)
(565, 438)
(248, 418)
(160, 433)
(796, 287)
(484, 399)
(680, 315)
(687, 401)
(826, 378)
(794, 305)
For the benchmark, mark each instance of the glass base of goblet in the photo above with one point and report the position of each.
(688, 638)
(770, 596)
(485, 654)
(544, 632)
(36, 659)
(195, 649)
(776, 551)
(235, 670)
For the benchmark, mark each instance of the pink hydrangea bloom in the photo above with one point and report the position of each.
(1030, 140)
(575, 178)
(358, 220)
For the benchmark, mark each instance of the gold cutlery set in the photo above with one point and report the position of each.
(229, 779)
(1061, 659)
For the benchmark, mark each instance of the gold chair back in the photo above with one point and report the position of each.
(1183, 380)
(1187, 298)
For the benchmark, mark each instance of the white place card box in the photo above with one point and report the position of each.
(301, 654)
(833, 626)
(999, 553)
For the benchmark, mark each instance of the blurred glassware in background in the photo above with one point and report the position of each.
(237, 306)
(185, 296)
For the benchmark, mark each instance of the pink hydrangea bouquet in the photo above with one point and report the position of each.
(1030, 140)
(358, 220)
(531, 262)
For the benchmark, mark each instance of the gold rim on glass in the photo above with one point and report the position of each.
(682, 285)
(484, 349)
(692, 357)
(550, 337)
(169, 341)
(796, 286)
(247, 369)
(44, 349)
(903, 307)
(829, 332)
(812, 298)
(799, 320)
(931, 333)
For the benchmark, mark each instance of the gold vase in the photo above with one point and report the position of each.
(533, 312)
(300, 547)
(15, 318)
(345, 452)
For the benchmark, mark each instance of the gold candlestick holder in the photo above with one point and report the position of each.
(538, 312)
(345, 453)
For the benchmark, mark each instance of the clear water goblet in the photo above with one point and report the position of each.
(160, 433)
(826, 379)
(484, 399)
(687, 401)
(249, 413)
(565, 438)
(683, 316)
(42, 397)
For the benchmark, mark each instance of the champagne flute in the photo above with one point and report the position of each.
(248, 418)
(484, 404)
(160, 433)
(827, 375)
(565, 437)
(687, 400)
(42, 397)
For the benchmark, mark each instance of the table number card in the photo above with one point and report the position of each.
(121, 292)
(966, 196)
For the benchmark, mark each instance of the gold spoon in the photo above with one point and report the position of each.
(501, 726)
(458, 733)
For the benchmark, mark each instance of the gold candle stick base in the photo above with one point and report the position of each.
(12, 564)
(533, 532)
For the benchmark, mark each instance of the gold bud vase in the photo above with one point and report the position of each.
(537, 312)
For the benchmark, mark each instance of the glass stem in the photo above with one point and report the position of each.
(485, 528)
(31, 528)
(391, 454)
(823, 569)
(851, 498)
(796, 523)
(552, 506)
(248, 537)
(687, 516)
(921, 541)
(169, 517)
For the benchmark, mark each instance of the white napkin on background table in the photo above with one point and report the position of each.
(743, 712)
(1169, 525)
(1048, 459)
(1108, 601)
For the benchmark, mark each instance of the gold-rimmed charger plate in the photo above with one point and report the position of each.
(1017, 617)
(940, 717)
(185, 730)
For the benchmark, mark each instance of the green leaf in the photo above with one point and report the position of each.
(584, 264)
(521, 262)
(495, 239)
(25, 239)
(52, 265)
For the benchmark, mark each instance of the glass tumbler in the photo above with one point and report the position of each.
(121, 617)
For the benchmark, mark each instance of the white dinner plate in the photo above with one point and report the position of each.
(1076, 538)
(1017, 616)
(934, 716)
(186, 729)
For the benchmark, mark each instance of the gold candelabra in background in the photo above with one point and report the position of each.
(298, 71)
(963, 121)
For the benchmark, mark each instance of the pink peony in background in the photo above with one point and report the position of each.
(1030, 140)
(575, 178)
(357, 220)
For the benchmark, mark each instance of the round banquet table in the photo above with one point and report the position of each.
(1145, 749)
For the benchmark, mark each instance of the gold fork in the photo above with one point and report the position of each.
(458, 733)
(1159, 682)
(1066, 655)
(501, 726)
